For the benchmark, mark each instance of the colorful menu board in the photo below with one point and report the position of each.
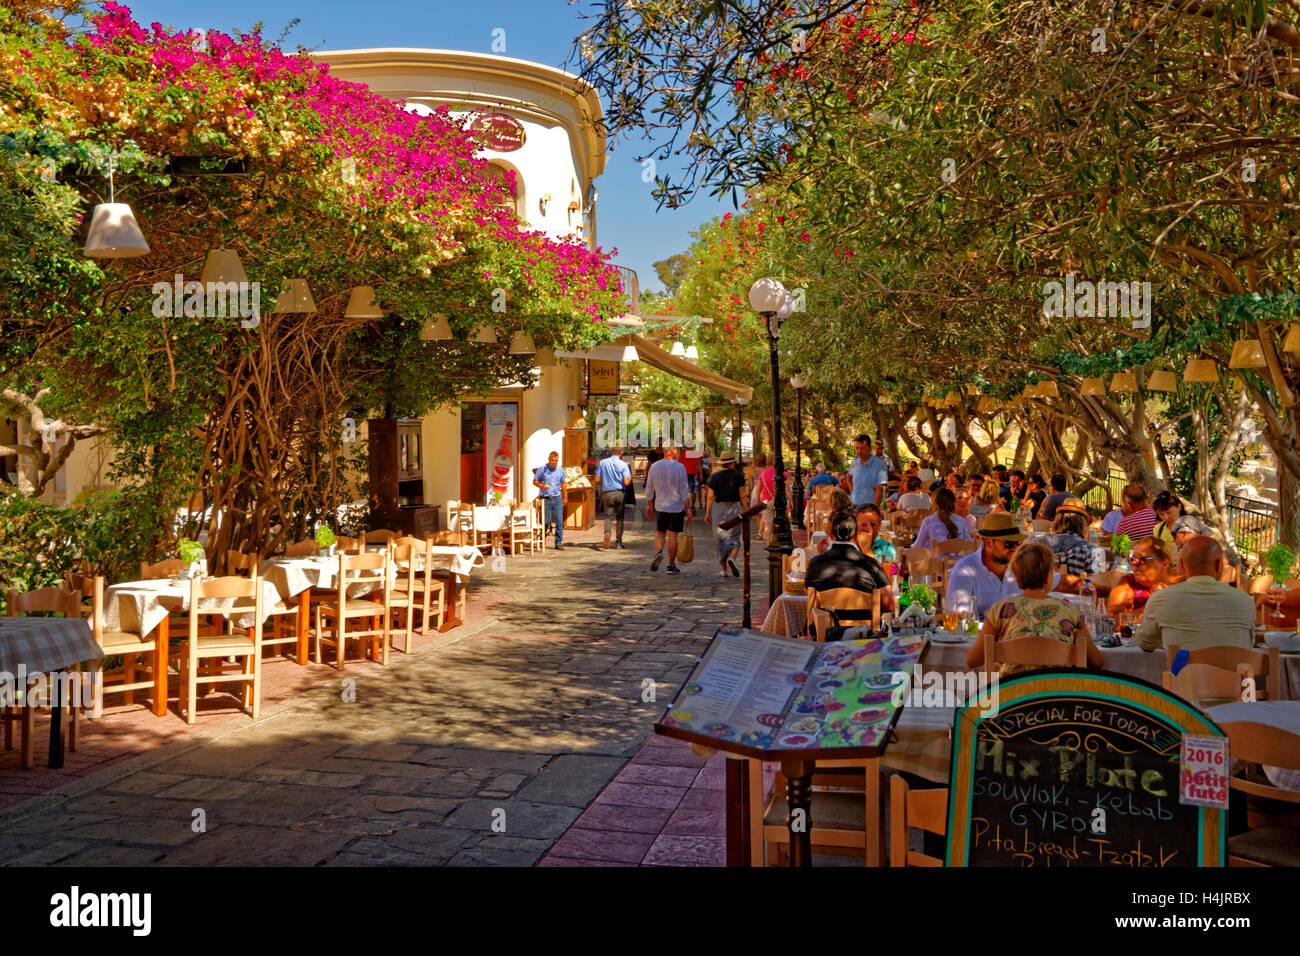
(763, 695)
(1078, 768)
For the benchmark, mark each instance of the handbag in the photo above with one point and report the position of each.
(686, 546)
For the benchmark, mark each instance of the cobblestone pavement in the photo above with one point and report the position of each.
(482, 747)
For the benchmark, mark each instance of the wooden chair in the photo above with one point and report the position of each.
(1231, 575)
(1204, 684)
(1033, 652)
(1259, 662)
(233, 642)
(1105, 581)
(379, 536)
(163, 569)
(932, 572)
(460, 519)
(911, 555)
(83, 580)
(519, 529)
(23, 713)
(924, 809)
(825, 608)
(240, 564)
(416, 587)
(141, 654)
(444, 539)
(357, 569)
(344, 545)
(953, 549)
(841, 819)
(539, 524)
(1266, 843)
(302, 549)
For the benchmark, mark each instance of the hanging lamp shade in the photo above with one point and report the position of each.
(986, 406)
(1201, 370)
(521, 343)
(1292, 341)
(692, 353)
(1247, 353)
(485, 335)
(678, 350)
(544, 358)
(1092, 386)
(295, 297)
(114, 233)
(972, 390)
(436, 329)
(951, 399)
(1162, 380)
(1123, 383)
(223, 265)
(361, 304)
(1048, 389)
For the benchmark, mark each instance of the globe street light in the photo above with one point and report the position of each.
(770, 299)
(797, 383)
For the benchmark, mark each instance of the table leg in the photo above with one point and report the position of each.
(875, 834)
(738, 821)
(450, 619)
(56, 725)
(798, 796)
(304, 624)
(163, 634)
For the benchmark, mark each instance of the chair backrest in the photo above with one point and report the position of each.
(1231, 575)
(1264, 744)
(1033, 652)
(1204, 682)
(912, 555)
(230, 587)
(163, 569)
(344, 545)
(954, 548)
(923, 809)
(302, 549)
(822, 494)
(380, 536)
(1260, 662)
(935, 568)
(1042, 524)
(46, 600)
(1106, 580)
(244, 565)
(1260, 583)
(444, 538)
(833, 600)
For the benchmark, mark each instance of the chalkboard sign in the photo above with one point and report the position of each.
(1078, 768)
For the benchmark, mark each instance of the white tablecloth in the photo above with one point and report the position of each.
(1282, 714)
(292, 576)
(140, 606)
(1132, 661)
(462, 559)
(46, 643)
(490, 517)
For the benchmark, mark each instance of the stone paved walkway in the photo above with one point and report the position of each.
(482, 747)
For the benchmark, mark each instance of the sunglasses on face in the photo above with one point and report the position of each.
(1150, 557)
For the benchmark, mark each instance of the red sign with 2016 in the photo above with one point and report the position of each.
(499, 132)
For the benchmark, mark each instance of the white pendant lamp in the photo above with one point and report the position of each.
(678, 350)
(436, 329)
(114, 233)
(295, 297)
(692, 354)
(521, 343)
(361, 304)
(223, 265)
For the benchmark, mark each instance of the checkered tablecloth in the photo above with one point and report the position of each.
(788, 616)
(46, 644)
(1132, 661)
(140, 606)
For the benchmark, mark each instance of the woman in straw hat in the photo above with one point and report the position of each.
(723, 491)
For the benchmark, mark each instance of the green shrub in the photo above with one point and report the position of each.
(38, 542)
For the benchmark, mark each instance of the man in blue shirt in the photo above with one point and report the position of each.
(868, 474)
(822, 477)
(614, 477)
(550, 479)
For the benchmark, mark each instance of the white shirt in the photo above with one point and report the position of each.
(973, 586)
(666, 487)
(1111, 521)
(1198, 613)
(933, 532)
(915, 501)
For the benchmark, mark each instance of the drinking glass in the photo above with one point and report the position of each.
(1274, 597)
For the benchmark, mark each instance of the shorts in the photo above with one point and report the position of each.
(693, 482)
(670, 520)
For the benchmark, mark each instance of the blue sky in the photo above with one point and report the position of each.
(539, 30)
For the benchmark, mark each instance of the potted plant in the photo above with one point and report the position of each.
(1120, 545)
(325, 539)
(1280, 561)
(191, 552)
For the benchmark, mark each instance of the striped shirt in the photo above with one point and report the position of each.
(1140, 524)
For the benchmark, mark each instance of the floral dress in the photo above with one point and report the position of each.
(1017, 617)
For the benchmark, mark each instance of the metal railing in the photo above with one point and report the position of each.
(631, 287)
(1095, 498)
(1256, 525)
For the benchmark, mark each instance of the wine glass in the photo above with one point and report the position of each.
(1274, 597)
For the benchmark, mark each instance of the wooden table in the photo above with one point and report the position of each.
(46, 645)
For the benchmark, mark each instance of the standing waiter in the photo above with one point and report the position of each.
(615, 478)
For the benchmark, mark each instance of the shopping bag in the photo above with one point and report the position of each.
(686, 546)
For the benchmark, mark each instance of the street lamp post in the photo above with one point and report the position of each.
(740, 404)
(769, 299)
(797, 383)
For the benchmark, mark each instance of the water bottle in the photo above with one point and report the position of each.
(1088, 595)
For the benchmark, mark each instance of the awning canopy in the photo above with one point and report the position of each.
(637, 348)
